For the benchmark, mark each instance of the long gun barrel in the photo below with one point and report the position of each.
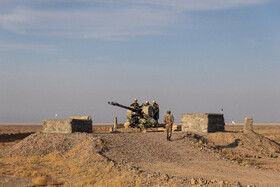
(123, 106)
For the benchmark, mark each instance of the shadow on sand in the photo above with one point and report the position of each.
(13, 137)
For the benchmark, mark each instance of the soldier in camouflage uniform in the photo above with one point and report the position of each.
(155, 111)
(145, 104)
(168, 121)
(135, 104)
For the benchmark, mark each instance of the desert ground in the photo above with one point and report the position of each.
(29, 157)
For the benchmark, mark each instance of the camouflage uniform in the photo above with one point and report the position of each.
(135, 105)
(156, 111)
(168, 120)
(145, 104)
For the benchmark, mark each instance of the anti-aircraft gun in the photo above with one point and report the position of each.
(141, 117)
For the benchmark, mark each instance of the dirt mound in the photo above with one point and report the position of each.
(186, 156)
(136, 159)
(40, 144)
(71, 160)
(248, 144)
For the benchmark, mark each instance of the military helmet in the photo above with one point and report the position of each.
(154, 101)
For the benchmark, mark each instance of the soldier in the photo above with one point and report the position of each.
(147, 103)
(155, 111)
(168, 121)
(135, 104)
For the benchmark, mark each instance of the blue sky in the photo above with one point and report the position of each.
(192, 56)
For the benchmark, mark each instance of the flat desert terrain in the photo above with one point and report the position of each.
(29, 157)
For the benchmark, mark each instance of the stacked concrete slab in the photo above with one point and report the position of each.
(248, 125)
(202, 122)
(74, 124)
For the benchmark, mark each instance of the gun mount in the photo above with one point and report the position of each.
(141, 117)
(125, 107)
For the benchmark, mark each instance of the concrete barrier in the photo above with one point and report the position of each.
(67, 126)
(202, 122)
(248, 125)
(81, 117)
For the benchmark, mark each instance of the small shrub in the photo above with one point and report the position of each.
(104, 144)
(197, 144)
(224, 151)
(40, 180)
(272, 151)
(211, 144)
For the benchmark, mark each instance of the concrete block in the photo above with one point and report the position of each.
(81, 117)
(202, 122)
(248, 125)
(67, 126)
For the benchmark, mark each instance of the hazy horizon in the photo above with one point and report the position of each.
(71, 57)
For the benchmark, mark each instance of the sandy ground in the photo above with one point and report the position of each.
(218, 159)
(182, 158)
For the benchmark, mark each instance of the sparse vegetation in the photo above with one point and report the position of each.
(73, 168)
(40, 180)
(212, 145)
(104, 144)
(80, 166)
(237, 157)
(80, 160)
(230, 155)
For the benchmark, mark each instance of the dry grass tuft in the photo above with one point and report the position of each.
(77, 167)
(237, 157)
(240, 144)
(104, 144)
(272, 151)
(211, 144)
(200, 141)
(197, 144)
(40, 180)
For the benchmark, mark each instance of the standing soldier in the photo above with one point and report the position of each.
(155, 111)
(168, 121)
(135, 104)
(146, 103)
